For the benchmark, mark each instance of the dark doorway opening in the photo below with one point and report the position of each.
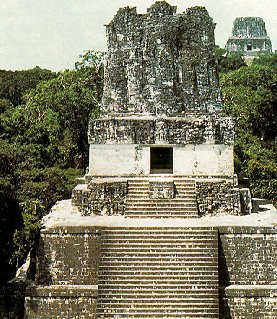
(249, 47)
(161, 160)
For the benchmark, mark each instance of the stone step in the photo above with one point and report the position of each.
(185, 241)
(157, 272)
(112, 270)
(154, 307)
(164, 216)
(159, 314)
(168, 234)
(161, 235)
(163, 259)
(145, 276)
(164, 240)
(157, 293)
(183, 188)
(200, 249)
(205, 309)
(159, 203)
(182, 211)
(130, 298)
(205, 248)
(172, 240)
(161, 255)
(176, 266)
(185, 185)
(164, 232)
(136, 284)
(157, 209)
(161, 301)
(150, 201)
(168, 230)
(191, 267)
(145, 213)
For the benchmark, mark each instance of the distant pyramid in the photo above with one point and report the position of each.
(249, 37)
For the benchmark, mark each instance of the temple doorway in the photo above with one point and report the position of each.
(161, 160)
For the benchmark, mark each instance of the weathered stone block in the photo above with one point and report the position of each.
(68, 255)
(74, 302)
(161, 189)
(217, 198)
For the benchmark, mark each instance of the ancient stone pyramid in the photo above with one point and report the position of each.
(249, 37)
(142, 237)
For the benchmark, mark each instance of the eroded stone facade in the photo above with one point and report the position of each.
(161, 63)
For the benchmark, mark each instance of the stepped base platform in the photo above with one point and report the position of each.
(110, 267)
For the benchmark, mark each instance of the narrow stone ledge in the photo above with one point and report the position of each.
(82, 230)
(249, 291)
(62, 291)
(246, 230)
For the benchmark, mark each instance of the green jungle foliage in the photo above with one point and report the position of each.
(250, 98)
(43, 146)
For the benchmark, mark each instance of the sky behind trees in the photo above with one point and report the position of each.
(53, 33)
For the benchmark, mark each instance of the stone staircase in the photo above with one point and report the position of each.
(153, 272)
(140, 205)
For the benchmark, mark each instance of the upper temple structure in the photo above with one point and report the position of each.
(161, 96)
(249, 37)
(160, 63)
(159, 226)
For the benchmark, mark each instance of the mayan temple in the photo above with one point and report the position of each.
(249, 37)
(159, 226)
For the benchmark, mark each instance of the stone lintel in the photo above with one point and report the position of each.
(167, 130)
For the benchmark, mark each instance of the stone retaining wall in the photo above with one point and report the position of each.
(61, 302)
(68, 255)
(247, 272)
(247, 302)
(217, 197)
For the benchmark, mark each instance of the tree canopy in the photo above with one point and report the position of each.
(43, 144)
(250, 98)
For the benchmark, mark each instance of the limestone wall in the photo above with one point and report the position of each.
(247, 267)
(251, 255)
(66, 274)
(252, 302)
(218, 197)
(68, 256)
(61, 302)
(118, 160)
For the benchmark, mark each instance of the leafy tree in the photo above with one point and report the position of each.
(43, 142)
(14, 84)
(250, 98)
(269, 60)
(228, 61)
